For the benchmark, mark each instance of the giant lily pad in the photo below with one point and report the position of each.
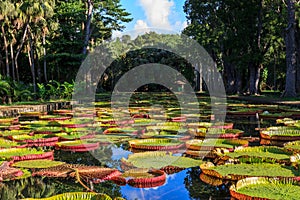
(145, 178)
(77, 145)
(155, 144)
(36, 139)
(75, 196)
(293, 146)
(54, 117)
(159, 160)
(47, 129)
(210, 144)
(7, 172)
(16, 132)
(10, 144)
(265, 188)
(18, 154)
(217, 133)
(39, 163)
(73, 135)
(75, 123)
(281, 133)
(242, 170)
(260, 154)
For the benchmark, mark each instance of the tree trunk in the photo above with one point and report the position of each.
(31, 63)
(44, 58)
(229, 73)
(297, 35)
(38, 68)
(88, 26)
(200, 78)
(12, 61)
(6, 51)
(254, 79)
(19, 50)
(290, 84)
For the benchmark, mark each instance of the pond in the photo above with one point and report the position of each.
(149, 113)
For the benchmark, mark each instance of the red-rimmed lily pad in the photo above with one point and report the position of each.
(16, 132)
(32, 114)
(76, 123)
(243, 170)
(7, 172)
(54, 117)
(159, 160)
(62, 112)
(74, 136)
(155, 144)
(18, 154)
(36, 139)
(145, 178)
(4, 144)
(47, 130)
(258, 188)
(77, 145)
(281, 133)
(210, 144)
(37, 164)
(75, 196)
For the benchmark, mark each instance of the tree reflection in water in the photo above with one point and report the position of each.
(200, 190)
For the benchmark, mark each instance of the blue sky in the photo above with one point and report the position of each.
(159, 14)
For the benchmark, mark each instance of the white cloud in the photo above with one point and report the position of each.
(158, 12)
(180, 25)
(141, 27)
(116, 34)
(140, 24)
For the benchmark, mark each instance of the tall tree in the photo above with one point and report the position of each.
(7, 12)
(291, 59)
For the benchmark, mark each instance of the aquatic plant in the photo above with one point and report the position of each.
(210, 144)
(7, 172)
(217, 133)
(265, 188)
(242, 170)
(145, 178)
(54, 117)
(76, 196)
(18, 154)
(155, 144)
(4, 143)
(36, 139)
(47, 129)
(38, 163)
(16, 132)
(159, 160)
(281, 133)
(260, 154)
(77, 145)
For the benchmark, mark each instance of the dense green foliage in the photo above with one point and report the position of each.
(247, 40)
(47, 40)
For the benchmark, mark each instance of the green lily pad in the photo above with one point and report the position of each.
(39, 163)
(159, 160)
(266, 188)
(75, 196)
(263, 152)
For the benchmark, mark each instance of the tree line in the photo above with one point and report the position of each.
(254, 43)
